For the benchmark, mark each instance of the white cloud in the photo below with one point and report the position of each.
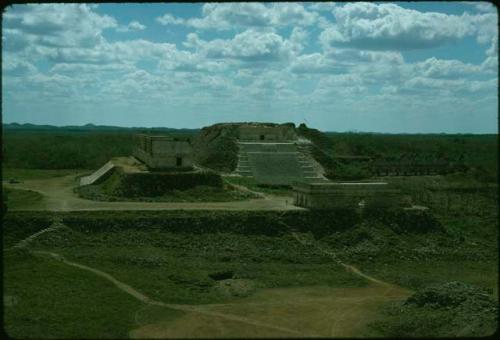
(390, 27)
(16, 67)
(438, 68)
(168, 19)
(57, 25)
(132, 26)
(249, 45)
(226, 16)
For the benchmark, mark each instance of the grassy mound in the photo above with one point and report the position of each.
(451, 309)
(163, 187)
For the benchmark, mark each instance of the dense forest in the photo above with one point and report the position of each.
(88, 149)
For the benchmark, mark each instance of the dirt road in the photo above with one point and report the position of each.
(59, 196)
(279, 312)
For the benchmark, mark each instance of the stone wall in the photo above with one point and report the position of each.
(346, 195)
(163, 152)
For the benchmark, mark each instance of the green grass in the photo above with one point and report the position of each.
(416, 274)
(175, 267)
(53, 300)
(18, 198)
(158, 254)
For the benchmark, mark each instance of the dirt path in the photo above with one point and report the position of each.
(348, 267)
(145, 299)
(277, 312)
(59, 196)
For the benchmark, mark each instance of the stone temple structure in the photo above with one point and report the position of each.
(273, 154)
(345, 195)
(266, 132)
(163, 152)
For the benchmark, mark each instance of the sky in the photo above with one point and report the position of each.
(402, 67)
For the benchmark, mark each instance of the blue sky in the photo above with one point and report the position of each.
(383, 67)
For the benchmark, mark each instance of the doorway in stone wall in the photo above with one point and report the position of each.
(178, 161)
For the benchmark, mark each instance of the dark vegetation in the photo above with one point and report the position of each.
(66, 148)
(90, 148)
(475, 155)
(177, 256)
(450, 309)
(205, 186)
(48, 299)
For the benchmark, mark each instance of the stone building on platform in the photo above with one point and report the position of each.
(163, 152)
(345, 195)
(262, 132)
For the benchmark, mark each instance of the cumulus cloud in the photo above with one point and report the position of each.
(132, 26)
(342, 60)
(438, 68)
(16, 67)
(226, 16)
(59, 25)
(390, 27)
(250, 45)
(169, 19)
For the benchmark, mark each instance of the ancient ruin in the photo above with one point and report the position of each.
(163, 152)
(345, 195)
(267, 132)
(274, 155)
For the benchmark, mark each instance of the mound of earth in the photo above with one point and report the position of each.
(451, 309)
(215, 147)
(235, 287)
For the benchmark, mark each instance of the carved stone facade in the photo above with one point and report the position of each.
(163, 152)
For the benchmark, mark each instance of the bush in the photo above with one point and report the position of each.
(452, 309)
(157, 184)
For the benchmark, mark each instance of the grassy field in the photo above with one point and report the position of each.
(184, 257)
(185, 267)
(21, 198)
(52, 300)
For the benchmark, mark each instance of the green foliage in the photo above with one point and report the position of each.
(451, 309)
(16, 227)
(350, 172)
(203, 186)
(157, 184)
(49, 299)
(66, 149)
(63, 150)
(18, 198)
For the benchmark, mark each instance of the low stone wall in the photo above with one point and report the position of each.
(346, 195)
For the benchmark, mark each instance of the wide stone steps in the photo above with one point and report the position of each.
(277, 163)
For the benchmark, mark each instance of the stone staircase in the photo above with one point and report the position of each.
(278, 163)
(313, 171)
